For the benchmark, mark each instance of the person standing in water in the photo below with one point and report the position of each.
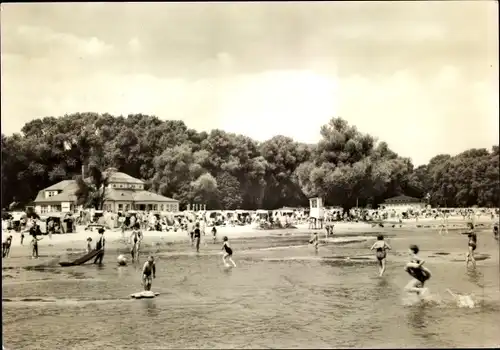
(197, 237)
(101, 242)
(135, 240)
(419, 273)
(381, 248)
(314, 241)
(228, 253)
(214, 234)
(471, 246)
(34, 247)
(148, 273)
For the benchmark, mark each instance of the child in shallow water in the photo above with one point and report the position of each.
(228, 252)
(89, 245)
(314, 241)
(381, 248)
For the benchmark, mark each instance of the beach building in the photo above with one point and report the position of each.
(403, 203)
(124, 193)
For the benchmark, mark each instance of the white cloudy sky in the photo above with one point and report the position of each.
(422, 76)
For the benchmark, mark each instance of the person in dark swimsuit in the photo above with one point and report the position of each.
(495, 231)
(471, 246)
(381, 248)
(419, 273)
(228, 252)
(214, 234)
(197, 236)
(148, 273)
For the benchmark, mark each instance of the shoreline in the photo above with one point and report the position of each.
(62, 245)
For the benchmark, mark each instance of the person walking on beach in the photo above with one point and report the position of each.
(228, 252)
(418, 273)
(101, 242)
(381, 248)
(471, 246)
(148, 273)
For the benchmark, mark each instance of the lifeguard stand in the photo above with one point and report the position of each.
(316, 213)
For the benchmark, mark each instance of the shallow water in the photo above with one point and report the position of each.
(284, 297)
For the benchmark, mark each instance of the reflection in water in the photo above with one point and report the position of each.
(475, 276)
(150, 307)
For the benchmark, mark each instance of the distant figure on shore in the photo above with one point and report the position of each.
(419, 273)
(381, 248)
(101, 242)
(495, 231)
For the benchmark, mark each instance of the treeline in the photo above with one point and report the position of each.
(229, 171)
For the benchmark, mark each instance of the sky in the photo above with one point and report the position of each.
(422, 76)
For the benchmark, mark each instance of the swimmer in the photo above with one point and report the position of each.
(197, 236)
(228, 253)
(148, 273)
(314, 241)
(471, 245)
(381, 248)
(495, 231)
(89, 245)
(135, 239)
(419, 273)
(214, 234)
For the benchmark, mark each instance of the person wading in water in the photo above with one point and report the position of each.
(101, 242)
(135, 239)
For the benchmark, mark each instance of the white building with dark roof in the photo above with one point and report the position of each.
(124, 193)
(403, 203)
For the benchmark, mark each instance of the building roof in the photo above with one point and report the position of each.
(402, 199)
(136, 196)
(118, 177)
(66, 196)
(60, 186)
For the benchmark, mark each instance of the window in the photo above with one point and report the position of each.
(120, 207)
(127, 207)
(155, 207)
(44, 209)
(161, 207)
(120, 185)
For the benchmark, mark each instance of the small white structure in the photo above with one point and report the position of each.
(317, 211)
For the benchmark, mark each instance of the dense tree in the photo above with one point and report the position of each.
(225, 170)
